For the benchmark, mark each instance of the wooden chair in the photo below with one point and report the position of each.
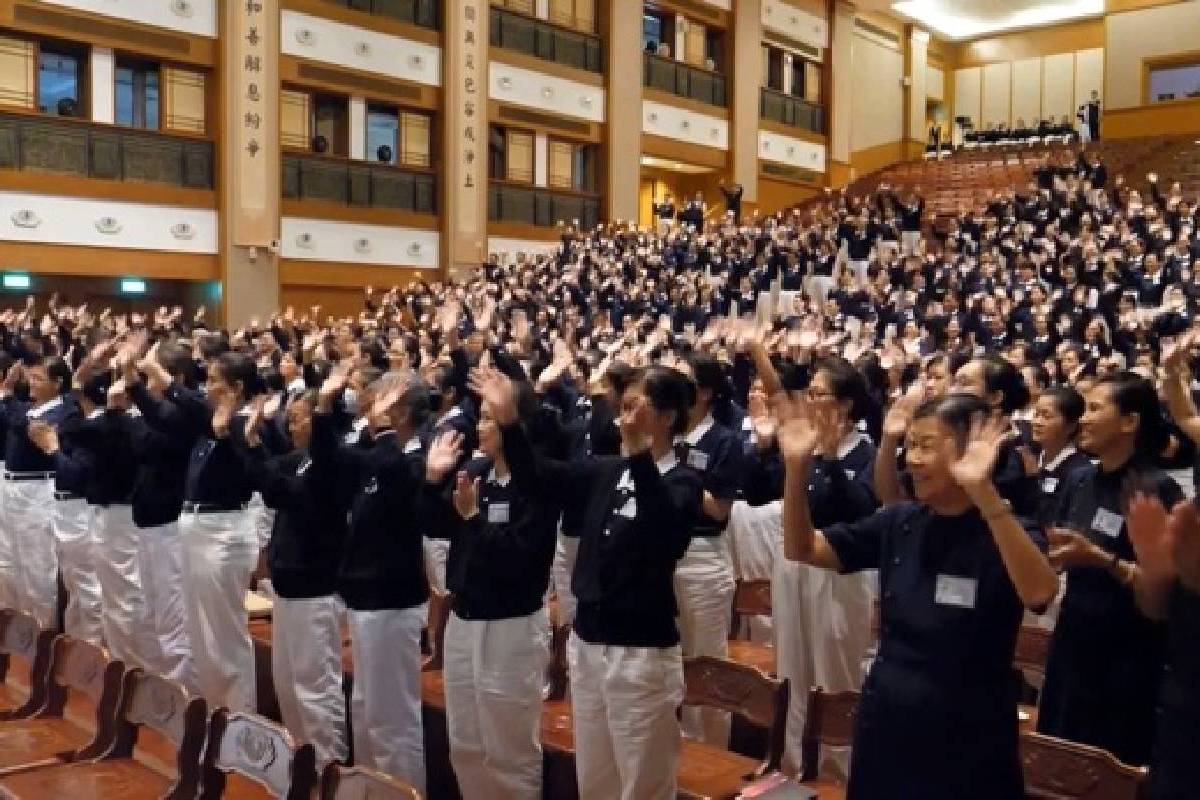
(147, 701)
(830, 722)
(77, 669)
(556, 673)
(1056, 769)
(261, 753)
(1032, 653)
(762, 701)
(751, 598)
(359, 783)
(22, 638)
(439, 615)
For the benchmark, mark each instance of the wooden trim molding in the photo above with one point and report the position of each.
(682, 151)
(61, 22)
(294, 272)
(303, 72)
(56, 259)
(53, 183)
(794, 133)
(319, 209)
(512, 115)
(694, 9)
(362, 19)
(668, 99)
(1165, 119)
(514, 59)
(519, 230)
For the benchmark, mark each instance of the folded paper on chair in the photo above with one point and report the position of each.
(776, 786)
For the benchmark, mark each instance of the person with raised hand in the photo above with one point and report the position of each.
(497, 643)
(956, 569)
(624, 655)
(381, 573)
(1167, 586)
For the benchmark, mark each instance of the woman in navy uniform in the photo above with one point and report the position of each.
(1106, 658)
(938, 714)
(1055, 428)
(1167, 583)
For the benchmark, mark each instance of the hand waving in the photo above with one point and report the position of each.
(973, 469)
(444, 453)
(795, 428)
(496, 389)
(466, 495)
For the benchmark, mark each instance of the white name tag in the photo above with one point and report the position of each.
(629, 510)
(849, 474)
(955, 591)
(498, 513)
(1108, 523)
(697, 459)
(1049, 485)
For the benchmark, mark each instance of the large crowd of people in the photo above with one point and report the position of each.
(973, 425)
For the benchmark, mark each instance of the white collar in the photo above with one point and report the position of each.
(494, 478)
(667, 463)
(297, 385)
(359, 424)
(451, 414)
(848, 443)
(49, 405)
(413, 445)
(1062, 456)
(694, 436)
(95, 413)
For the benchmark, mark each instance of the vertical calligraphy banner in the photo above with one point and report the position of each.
(465, 84)
(251, 50)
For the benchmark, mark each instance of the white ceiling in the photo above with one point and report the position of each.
(970, 19)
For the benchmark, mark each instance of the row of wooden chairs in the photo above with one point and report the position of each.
(89, 728)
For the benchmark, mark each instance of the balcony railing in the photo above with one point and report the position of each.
(76, 147)
(683, 80)
(417, 12)
(534, 205)
(541, 39)
(790, 110)
(358, 183)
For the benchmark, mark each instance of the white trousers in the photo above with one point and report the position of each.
(122, 595)
(385, 705)
(560, 574)
(755, 534)
(437, 552)
(627, 736)
(493, 673)
(822, 635)
(306, 664)
(9, 567)
(704, 588)
(818, 287)
(910, 241)
(160, 565)
(72, 524)
(262, 519)
(220, 551)
(860, 268)
(28, 508)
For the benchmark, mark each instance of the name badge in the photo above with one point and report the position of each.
(1049, 485)
(697, 460)
(955, 591)
(304, 466)
(497, 513)
(849, 474)
(1108, 523)
(628, 510)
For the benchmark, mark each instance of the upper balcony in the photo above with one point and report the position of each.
(792, 111)
(683, 80)
(545, 40)
(541, 206)
(83, 149)
(415, 12)
(331, 179)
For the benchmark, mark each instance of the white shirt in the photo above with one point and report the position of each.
(37, 411)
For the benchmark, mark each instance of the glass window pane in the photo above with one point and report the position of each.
(58, 83)
(151, 99)
(652, 31)
(382, 126)
(124, 96)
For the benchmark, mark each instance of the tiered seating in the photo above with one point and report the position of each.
(751, 599)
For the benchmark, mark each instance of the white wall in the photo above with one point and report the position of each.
(795, 23)
(996, 103)
(1089, 73)
(332, 42)
(793, 152)
(197, 17)
(544, 92)
(877, 116)
(682, 125)
(103, 84)
(353, 243)
(46, 219)
(1134, 36)
(967, 93)
(935, 83)
(1058, 86)
(1027, 90)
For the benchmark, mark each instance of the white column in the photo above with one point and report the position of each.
(787, 72)
(358, 129)
(541, 159)
(103, 85)
(681, 24)
(542, 9)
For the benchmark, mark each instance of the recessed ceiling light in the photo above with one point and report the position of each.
(954, 20)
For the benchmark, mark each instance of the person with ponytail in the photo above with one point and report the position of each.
(639, 511)
(1106, 657)
(704, 579)
(937, 718)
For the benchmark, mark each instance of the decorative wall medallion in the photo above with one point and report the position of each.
(362, 245)
(585, 101)
(685, 124)
(653, 117)
(414, 249)
(416, 61)
(110, 226)
(362, 49)
(714, 132)
(547, 92)
(306, 37)
(305, 241)
(26, 218)
(183, 231)
(505, 82)
(181, 8)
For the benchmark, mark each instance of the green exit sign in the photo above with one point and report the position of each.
(133, 286)
(16, 280)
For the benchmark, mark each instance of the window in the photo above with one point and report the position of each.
(695, 43)
(496, 170)
(812, 82)
(331, 125)
(183, 100)
(561, 165)
(584, 167)
(383, 135)
(654, 29)
(295, 119)
(577, 14)
(774, 68)
(59, 80)
(137, 94)
(521, 6)
(415, 131)
(18, 73)
(518, 156)
(1174, 82)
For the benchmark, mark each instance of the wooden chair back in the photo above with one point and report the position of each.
(1032, 653)
(259, 750)
(78, 666)
(22, 637)
(751, 598)
(360, 783)
(439, 615)
(557, 676)
(166, 708)
(744, 690)
(830, 722)
(1056, 769)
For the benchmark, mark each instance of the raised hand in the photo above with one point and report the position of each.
(466, 495)
(632, 424)
(831, 425)
(796, 431)
(973, 469)
(444, 453)
(1152, 536)
(1070, 548)
(1185, 538)
(222, 415)
(900, 415)
(44, 436)
(254, 422)
(496, 389)
(334, 384)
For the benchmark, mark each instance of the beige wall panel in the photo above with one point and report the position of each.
(184, 100)
(1058, 86)
(624, 111)
(1089, 73)
(967, 93)
(1135, 36)
(841, 60)
(996, 93)
(935, 83)
(878, 103)
(1027, 90)
(18, 65)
